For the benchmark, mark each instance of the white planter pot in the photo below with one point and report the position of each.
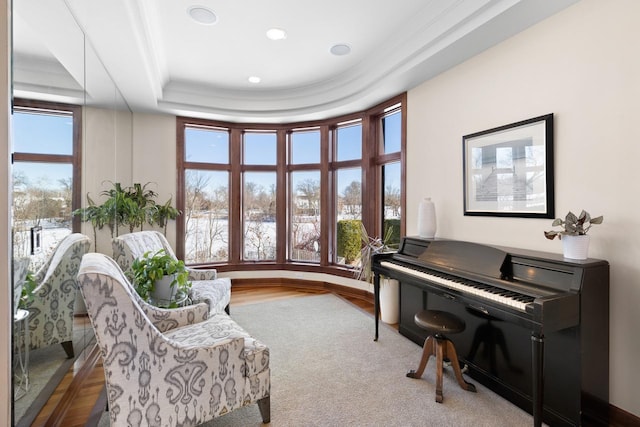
(389, 301)
(162, 289)
(575, 247)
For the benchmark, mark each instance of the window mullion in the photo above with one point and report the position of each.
(235, 196)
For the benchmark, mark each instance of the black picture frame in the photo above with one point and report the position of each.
(508, 170)
(36, 239)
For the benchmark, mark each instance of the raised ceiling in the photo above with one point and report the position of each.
(165, 62)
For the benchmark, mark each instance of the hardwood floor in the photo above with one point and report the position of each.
(79, 398)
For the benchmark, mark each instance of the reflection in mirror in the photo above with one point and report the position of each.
(71, 133)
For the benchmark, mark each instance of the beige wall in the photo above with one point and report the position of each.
(154, 157)
(106, 159)
(582, 65)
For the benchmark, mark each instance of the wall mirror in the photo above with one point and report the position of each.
(71, 134)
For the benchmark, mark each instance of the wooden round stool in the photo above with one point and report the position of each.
(436, 344)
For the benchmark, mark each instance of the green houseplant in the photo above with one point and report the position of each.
(573, 225)
(128, 207)
(575, 243)
(160, 278)
(26, 295)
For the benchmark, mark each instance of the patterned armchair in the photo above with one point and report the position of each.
(169, 367)
(51, 309)
(206, 287)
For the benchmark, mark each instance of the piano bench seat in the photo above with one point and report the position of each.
(438, 345)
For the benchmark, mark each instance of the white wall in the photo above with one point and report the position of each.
(582, 65)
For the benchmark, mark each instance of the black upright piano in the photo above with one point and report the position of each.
(537, 324)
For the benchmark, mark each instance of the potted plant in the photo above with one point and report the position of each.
(575, 241)
(129, 207)
(21, 276)
(160, 278)
(161, 214)
(389, 288)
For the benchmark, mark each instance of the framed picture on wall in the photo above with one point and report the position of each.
(508, 170)
(36, 239)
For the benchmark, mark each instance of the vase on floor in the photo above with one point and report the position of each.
(389, 301)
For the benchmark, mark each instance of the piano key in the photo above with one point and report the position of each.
(502, 296)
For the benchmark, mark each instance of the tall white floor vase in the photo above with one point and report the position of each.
(426, 218)
(389, 301)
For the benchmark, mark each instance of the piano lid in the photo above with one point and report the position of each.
(480, 259)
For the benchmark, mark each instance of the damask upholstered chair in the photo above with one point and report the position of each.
(206, 286)
(169, 367)
(51, 308)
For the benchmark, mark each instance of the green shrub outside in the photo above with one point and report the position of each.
(394, 240)
(349, 243)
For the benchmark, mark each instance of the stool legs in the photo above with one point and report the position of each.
(428, 350)
(452, 355)
(441, 347)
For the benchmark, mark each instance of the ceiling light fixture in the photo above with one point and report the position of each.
(254, 79)
(340, 49)
(276, 34)
(202, 15)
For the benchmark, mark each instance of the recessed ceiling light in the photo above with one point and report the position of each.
(254, 79)
(276, 34)
(340, 49)
(202, 15)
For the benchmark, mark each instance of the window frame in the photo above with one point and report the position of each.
(75, 158)
(292, 168)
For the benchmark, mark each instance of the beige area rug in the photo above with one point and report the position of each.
(326, 370)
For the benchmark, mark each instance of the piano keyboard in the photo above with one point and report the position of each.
(502, 296)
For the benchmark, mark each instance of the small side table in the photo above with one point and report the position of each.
(181, 300)
(21, 347)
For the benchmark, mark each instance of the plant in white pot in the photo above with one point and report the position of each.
(160, 278)
(389, 288)
(575, 241)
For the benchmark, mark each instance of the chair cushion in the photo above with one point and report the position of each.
(220, 327)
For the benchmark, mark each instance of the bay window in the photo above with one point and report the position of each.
(271, 197)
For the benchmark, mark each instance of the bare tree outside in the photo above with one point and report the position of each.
(43, 202)
(206, 218)
(352, 200)
(392, 201)
(305, 221)
(259, 211)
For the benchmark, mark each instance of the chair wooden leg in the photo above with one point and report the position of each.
(452, 355)
(427, 351)
(68, 348)
(264, 405)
